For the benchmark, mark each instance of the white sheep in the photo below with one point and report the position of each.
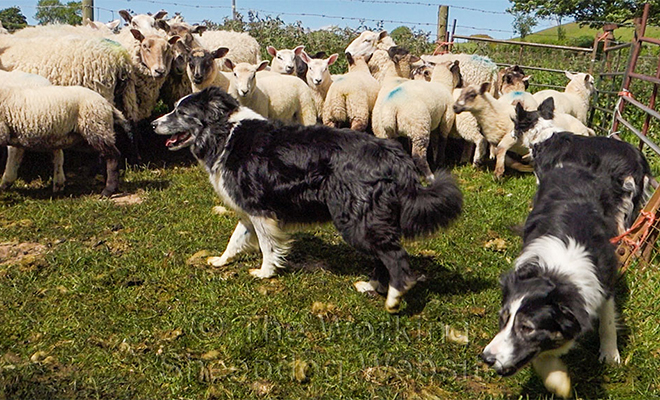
(351, 97)
(318, 77)
(143, 22)
(284, 60)
(3, 31)
(274, 96)
(53, 118)
(575, 98)
(203, 71)
(421, 111)
(242, 47)
(105, 66)
(475, 69)
(367, 45)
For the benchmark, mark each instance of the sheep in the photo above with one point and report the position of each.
(351, 97)
(318, 78)
(512, 79)
(242, 47)
(419, 110)
(475, 69)
(143, 22)
(3, 31)
(204, 72)
(54, 118)
(275, 96)
(106, 29)
(366, 45)
(177, 84)
(42, 31)
(575, 98)
(494, 118)
(105, 66)
(301, 66)
(284, 60)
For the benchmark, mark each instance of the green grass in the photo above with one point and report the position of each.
(121, 307)
(573, 31)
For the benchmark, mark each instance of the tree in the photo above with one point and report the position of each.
(54, 12)
(523, 23)
(556, 9)
(12, 19)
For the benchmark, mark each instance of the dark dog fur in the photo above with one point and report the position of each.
(563, 279)
(276, 175)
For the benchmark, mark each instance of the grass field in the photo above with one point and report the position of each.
(108, 300)
(574, 31)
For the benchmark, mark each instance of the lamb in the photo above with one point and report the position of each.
(575, 98)
(274, 96)
(243, 48)
(494, 118)
(54, 118)
(475, 69)
(351, 97)
(318, 77)
(419, 110)
(143, 22)
(366, 45)
(177, 84)
(301, 66)
(284, 61)
(512, 79)
(204, 72)
(105, 66)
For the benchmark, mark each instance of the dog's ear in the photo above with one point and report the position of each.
(527, 271)
(218, 102)
(568, 323)
(547, 108)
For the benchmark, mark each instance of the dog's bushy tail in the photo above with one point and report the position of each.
(425, 209)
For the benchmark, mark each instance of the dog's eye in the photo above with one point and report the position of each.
(527, 328)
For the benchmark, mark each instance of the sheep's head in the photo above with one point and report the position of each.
(180, 57)
(368, 42)
(422, 72)
(448, 73)
(284, 60)
(245, 76)
(185, 31)
(155, 52)
(317, 69)
(472, 98)
(580, 82)
(512, 79)
(201, 64)
(403, 60)
(142, 22)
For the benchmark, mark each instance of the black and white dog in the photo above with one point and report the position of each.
(563, 279)
(275, 175)
(617, 159)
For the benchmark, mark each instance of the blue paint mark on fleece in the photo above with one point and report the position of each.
(483, 60)
(394, 92)
(517, 94)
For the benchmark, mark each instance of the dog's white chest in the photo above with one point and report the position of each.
(219, 185)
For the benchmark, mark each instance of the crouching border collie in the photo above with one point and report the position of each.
(563, 279)
(275, 175)
(617, 159)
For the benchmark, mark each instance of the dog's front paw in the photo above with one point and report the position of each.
(364, 287)
(610, 356)
(216, 261)
(262, 273)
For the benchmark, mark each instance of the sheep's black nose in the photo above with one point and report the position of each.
(488, 358)
(160, 71)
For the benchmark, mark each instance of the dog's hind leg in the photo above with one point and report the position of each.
(402, 278)
(609, 352)
(242, 240)
(377, 282)
(274, 244)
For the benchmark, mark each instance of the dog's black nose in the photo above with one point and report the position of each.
(488, 358)
(154, 125)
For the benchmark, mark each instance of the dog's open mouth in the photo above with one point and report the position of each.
(179, 141)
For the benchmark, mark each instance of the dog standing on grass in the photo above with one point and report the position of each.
(275, 175)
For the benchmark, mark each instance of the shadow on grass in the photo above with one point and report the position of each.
(310, 253)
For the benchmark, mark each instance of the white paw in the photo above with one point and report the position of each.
(364, 287)
(262, 273)
(610, 357)
(216, 261)
(559, 383)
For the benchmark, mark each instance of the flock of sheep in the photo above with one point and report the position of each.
(63, 84)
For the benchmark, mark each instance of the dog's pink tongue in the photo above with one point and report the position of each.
(172, 140)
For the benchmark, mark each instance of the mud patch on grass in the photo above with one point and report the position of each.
(25, 255)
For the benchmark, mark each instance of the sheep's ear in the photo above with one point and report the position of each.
(454, 67)
(547, 108)
(350, 59)
(262, 65)
(113, 24)
(588, 78)
(484, 87)
(229, 64)
(173, 39)
(332, 59)
(569, 75)
(298, 49)
(271, 50)
(526, 78)
(305, 57)
(414, 59)
(137, 35)
(162, 24)
(125, 15)
(160, 14)
(199, 29)
(382, 35)
(320, 54)
(220, 52)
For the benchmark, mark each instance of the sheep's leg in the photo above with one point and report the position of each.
(58, 170)
(419, 149)
(112, 175)
(480, 151)
(359, 124)
(14, 158)
(505, 144)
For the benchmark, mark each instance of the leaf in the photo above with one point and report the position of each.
(497, 244)
(453, 335)
(300, 369)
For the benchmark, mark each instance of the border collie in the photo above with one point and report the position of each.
(620, 160)
(563, 279)
(275, 175)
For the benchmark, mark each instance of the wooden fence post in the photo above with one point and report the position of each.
(88, 10)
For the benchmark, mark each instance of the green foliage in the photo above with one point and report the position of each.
(12, 19)
(523, 23)
(54, 12)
